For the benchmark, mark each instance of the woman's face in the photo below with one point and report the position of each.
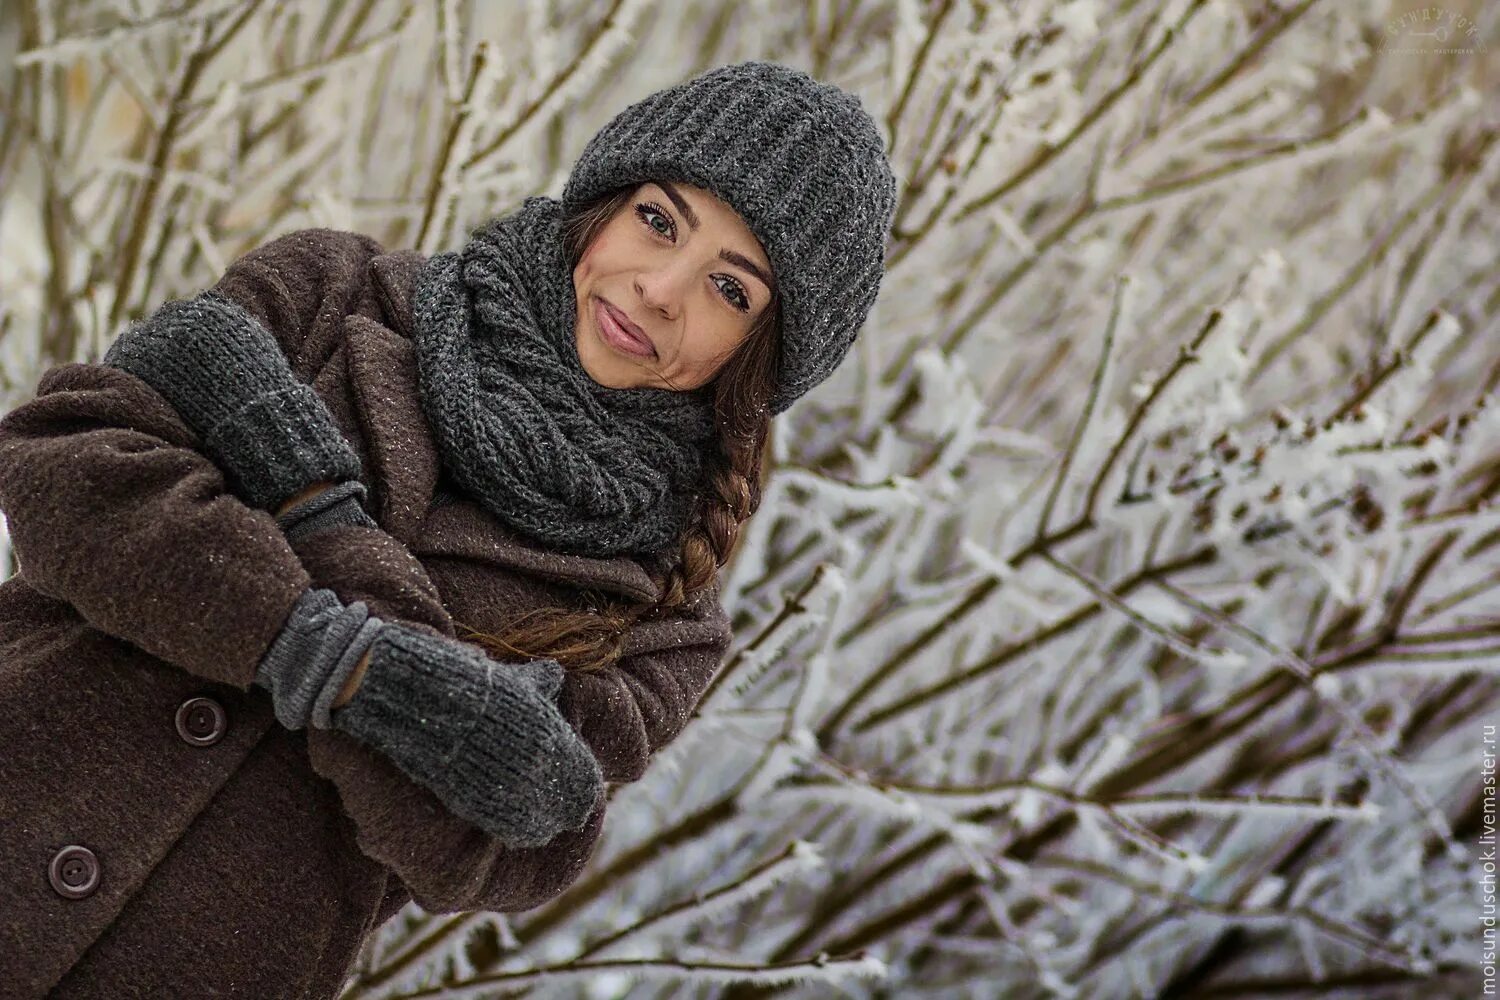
(684, 268)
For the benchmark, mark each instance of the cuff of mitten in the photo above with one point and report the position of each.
(311, 658)
(305, 448)
(338, 505)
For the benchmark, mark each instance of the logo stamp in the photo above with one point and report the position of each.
(1431, 30)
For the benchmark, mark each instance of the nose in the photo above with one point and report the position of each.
(661, 288)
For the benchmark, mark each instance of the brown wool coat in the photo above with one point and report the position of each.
(160, 833)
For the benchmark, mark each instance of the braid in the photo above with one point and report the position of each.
(734, 495)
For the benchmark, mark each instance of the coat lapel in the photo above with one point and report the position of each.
(383, 376)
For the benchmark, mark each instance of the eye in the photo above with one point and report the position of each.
(741, 301)
(648, 211)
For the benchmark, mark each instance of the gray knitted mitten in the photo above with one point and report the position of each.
(228, 378)
(487, 738)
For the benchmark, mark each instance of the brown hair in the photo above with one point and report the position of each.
(592, 639)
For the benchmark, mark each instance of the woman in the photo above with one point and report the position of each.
(244, 729)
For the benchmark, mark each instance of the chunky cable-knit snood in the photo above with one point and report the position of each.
(522, 426)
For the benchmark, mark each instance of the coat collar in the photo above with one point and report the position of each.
(395, 278)
(382, 370)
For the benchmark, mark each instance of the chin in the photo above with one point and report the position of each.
(606, 376)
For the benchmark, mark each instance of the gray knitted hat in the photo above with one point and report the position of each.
(800, 161)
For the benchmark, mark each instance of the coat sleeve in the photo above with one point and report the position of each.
(446, 864)
(642, 701)
(113, 508)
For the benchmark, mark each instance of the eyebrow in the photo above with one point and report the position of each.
(732, 256)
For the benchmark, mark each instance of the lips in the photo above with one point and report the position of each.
(628, 326)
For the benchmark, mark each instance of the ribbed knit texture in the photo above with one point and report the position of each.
(802, 163)
(336, 505)
(313, 655)
(522, 427)
(486, 737)
(228, 378)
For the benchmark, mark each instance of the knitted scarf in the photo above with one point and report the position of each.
(520, 424)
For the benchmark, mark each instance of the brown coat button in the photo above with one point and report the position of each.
(201, 721)
(74, 872)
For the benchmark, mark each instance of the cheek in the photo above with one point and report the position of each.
(587, 256)
(710, 351)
